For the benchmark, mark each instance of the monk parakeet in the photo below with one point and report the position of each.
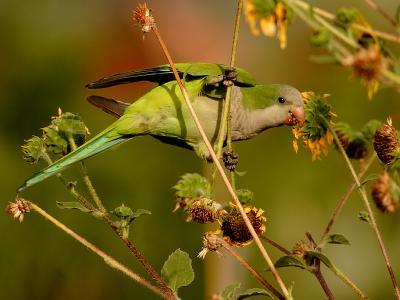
(163, 114)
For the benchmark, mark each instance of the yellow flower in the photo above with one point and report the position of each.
(314, 134)
(273, 20)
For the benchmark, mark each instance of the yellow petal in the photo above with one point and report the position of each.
(268, 26)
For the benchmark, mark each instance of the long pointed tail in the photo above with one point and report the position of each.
(92, 147)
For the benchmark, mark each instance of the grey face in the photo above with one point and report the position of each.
(290, 103)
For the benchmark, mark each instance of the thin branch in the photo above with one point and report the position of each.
(87, 180)
(220, 168)
(370, 212)
(343, 201)
(256, 274)
(376, 7)
(106, 217)
(317, 272)
(332, 17)
(275, 244)
(107, 258)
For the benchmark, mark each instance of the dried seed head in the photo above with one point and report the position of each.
(386, 143)
(367, 64)
(142, 15)
(385, 193)
(301, 249)
(211, 242)
(204, 210)
(234, 229)
(18, 208)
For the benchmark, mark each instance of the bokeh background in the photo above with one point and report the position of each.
(50, 49)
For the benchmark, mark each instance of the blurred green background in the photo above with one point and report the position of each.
(50, 49)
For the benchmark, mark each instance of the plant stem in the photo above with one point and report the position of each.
(256, 274)
(376, 7)
(106, 217)
(87, 180)
(343, 201)
(221, 170)
(317, 272)
(370, 212)
(275, 244)
(107, 258)
(323, 13)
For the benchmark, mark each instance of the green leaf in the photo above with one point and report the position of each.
(33, 150)
(192, 185)
(320, 37)
(364, 216)
(290, 261)
(323, 258)
(337, 239)
(229, 293)
(72, 205)
(254, 292)
(177, 270)
(245, 196)
(137, 213)
(371, 177)
(323, 59)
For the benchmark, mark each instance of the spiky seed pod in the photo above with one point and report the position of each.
(203, 211)
(385, 193)
(386, 142)
(230, 159)
(18, 209)
(142, 15)
(234, 229)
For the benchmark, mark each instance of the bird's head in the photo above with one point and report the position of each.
(289, 104)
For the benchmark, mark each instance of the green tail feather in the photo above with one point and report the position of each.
(93, 147)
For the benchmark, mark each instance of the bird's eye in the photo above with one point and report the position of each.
(281, 100)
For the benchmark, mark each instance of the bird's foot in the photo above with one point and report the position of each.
(230, 159)
(227, 79)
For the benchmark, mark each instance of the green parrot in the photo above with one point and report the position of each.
(162, 112)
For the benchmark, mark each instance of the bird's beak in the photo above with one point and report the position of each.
(295, 116)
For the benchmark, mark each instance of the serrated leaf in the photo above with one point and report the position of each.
(177, 270)
(192, 185)
(371, 177)
(290, 261)
(72, 205)
(337, 239)
(323, 59)
(229, 293)
(254, 292)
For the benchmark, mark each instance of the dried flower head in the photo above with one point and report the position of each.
(142, 15)
(204, 210)
(386, 143)
(367, 64)
(234, 229)
(385, 193)
(353, 142)
(230, 159)
(211, 242)
(301, 249)
(273, 17)
(314, 131)
(18, 209)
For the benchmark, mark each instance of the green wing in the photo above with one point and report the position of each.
(162, 74)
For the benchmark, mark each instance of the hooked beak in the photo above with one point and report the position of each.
(295, 116)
